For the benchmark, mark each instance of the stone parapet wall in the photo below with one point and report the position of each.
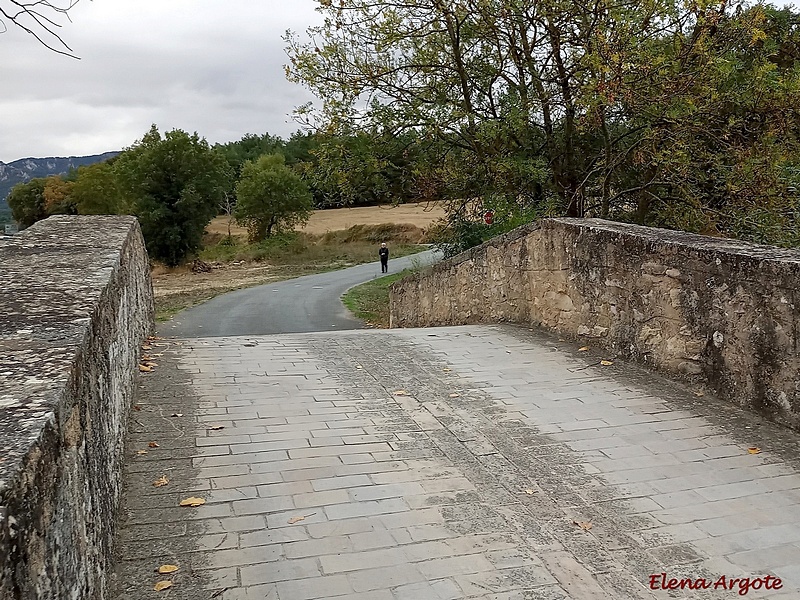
(76, 303)
(710, 309)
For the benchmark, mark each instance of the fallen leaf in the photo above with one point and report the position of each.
(584, 349)
(137, 407)
(217, 427)
(193, 502)
(606, 363)
(147, 347)
(167, 569)
(359, 367)
(145, 358)
(141, 452)
(699, 394)
(152, 445)
(162, 585)
(530, 492)
(145, 368)
(446, 370)
(294, 520)
(401, 393)
(585, 525)
(161, 481)
(754, 450)
(454, 395)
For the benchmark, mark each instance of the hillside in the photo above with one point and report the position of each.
(26, 169)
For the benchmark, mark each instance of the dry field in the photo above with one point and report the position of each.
(334, 219)
(179, 288)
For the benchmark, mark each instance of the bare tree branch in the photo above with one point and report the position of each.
(41, 19)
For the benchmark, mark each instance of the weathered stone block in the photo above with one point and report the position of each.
(76, 304)
(719, 310)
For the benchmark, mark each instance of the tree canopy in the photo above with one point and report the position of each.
(174, 184)
(27, 202)
(666, 112)
(271, 197)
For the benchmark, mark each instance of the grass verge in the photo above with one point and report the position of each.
(370, 301)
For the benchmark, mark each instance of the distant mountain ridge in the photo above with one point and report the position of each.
(25, 169)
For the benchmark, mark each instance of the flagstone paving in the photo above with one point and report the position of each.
(489, 462)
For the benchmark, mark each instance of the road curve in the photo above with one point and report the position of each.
(310, 303)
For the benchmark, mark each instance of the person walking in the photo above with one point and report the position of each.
(384, 254)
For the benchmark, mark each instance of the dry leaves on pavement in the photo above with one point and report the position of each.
(167, 569)
(294, 520)
(193, 502)
(162, 585)
(161, 481)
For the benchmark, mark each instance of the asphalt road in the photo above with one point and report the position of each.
(310, 303)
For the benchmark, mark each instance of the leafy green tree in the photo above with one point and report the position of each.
(271, 197)
(666, 112)
(27, 202)
(174, 184)
(250, 147)
(96, 190)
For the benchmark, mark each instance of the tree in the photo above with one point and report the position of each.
(96, 190)
(40, 19)
(27, 202)
(271, 197)
(174, 184)
(250, 147)
(660, 111)
(57, 195)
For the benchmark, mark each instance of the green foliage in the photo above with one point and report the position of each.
(174, 184)
(27, 202)
(96, 191)
(250, 147)
(271, 197)
(464, 228)
(361, 168)
(666, 113)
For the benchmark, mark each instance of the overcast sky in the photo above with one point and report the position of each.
(211, 66)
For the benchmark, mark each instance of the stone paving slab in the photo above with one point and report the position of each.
(487, 462)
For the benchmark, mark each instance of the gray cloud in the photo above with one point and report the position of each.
(208, 66)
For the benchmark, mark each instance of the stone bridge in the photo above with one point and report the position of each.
(608, 414)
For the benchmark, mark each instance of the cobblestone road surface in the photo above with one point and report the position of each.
(485, 462)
